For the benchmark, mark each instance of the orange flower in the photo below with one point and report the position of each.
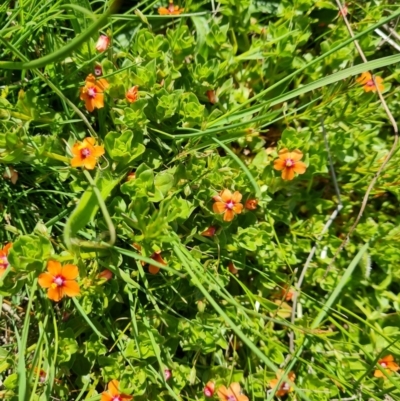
(4, 258)
(102, 43)
(113, 394)
(93, 92)
(210, 232)
(105, 274)
(366, 80)
(232, 268)
(131, 176)
(212, 96)
(60, 280)
(86, 153)
(157, 257)
(289, 163)
(285, 292)
(209, 389)
(171, 10)
(233, 393)
(388, 364)
(251, 204)
(133, 94)
(228, 203)
(11, 174)
(284, 387)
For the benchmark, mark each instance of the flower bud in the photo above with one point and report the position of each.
(251, 204)
(105, 274)
(167, 374)
(102, 43)
(132, 95)
(210, 232)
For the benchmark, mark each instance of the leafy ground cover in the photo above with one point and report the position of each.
(177, 180)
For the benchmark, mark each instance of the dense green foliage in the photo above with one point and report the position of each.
(222, 88)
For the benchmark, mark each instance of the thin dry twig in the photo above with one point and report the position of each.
(314, 248)
(385, 162)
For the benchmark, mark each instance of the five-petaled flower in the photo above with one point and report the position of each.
(209, 389)
(251, 204)
(368, 83)
(60, 280)
(284, 387)
(157, 257)
(171, 10)
(132, 94)
(232, 393)
(388, 364)
(86, 153)
(113, 393)
(4, 258)
(102, 43)
(228, 204)
(289, 163)
(93, 92)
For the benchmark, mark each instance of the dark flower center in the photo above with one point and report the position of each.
(59, 281)
(3, 262)
(289, 162)
(91, 92)
(229, 205)
(85, 152)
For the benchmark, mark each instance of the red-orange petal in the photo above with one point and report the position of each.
(70, 272)
(106, 396)
(287, 174)
(283, 153)
(163, 11)
(296, 155)
(113, 387)
(45, 280)
(299, 168)
(226, 195)
(236, 197)
(55, 294)
(237, 208)
(90, 162)
(54, 267)
(279, 164)
(7, 247)
(98, 151)
(229, 215)
(219, 207)
(71, 288)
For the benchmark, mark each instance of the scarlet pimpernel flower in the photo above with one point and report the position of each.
(368, 83)
(132, 94)
(289, 163)
(157, 257)
(232, 393)
(4, 258)
(251, 204)
(171, 10)
(113, 393)
(86, 153)
(60, 280)
(388, 364)
(93, 92)
(102, 43)
(209, 389)
(228, 204)
(284, 387)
